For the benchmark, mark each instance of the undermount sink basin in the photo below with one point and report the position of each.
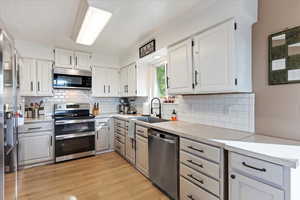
(150, 119)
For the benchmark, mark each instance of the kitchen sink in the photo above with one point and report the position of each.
(150, 119)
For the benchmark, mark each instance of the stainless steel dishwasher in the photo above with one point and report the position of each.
(163, 162)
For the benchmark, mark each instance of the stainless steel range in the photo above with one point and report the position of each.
(74, 131)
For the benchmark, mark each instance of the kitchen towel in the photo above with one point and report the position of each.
(131, 129)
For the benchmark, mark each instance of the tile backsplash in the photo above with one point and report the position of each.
(233, 111)
(107, 105)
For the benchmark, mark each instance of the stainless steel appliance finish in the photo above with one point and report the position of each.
(164, 162)
(74, 131)
(8, 122)
(72, 79)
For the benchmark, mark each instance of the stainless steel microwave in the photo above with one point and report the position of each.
(72, 79)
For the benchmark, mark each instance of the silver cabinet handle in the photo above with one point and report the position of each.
(109, 89)
(70, 60)
(31, 86)
(196, 77)
(39, 86)
(51, 142)
(104, 89)
(76, 60)
(34, 128)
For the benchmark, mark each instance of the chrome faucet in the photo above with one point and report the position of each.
(159, 102)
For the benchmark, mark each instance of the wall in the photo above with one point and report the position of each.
(194, 21)
(277, 107)
(36, 50)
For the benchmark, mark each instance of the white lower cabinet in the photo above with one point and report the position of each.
(36, 147)
(244, 188)
(130, 149)
(142, 160)
(102, 139)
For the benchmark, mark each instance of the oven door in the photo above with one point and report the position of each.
(64, 127)
(72, 81)
(74, 146)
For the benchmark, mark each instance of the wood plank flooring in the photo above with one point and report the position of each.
(103, 177)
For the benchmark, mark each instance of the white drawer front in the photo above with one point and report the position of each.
(120, 138)
(261, 169)
(189, 191)
(200, 149)
(36, 127)
(200, 164)
(120, 148)
(120, 123)
(119, 130)
(204, 181)
(142, 131)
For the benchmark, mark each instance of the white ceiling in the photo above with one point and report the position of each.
(51, 21)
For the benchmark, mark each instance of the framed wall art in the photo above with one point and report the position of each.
(147, 48)
(284, 57)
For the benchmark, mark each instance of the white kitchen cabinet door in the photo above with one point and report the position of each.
(99, 88)
(82, 61)
(142, 82)
(102, 139)
(132, 76)
(214, 64)
(180, 68)
(243, 188)
(64, 58)
(28, 77)
(141, 162)
(124, 82)
(35, 148)
(44, 78)
(113, 82)
(130, 149)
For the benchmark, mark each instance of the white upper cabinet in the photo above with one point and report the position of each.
(132, 77)
(64, 58)
(72, 60)
(82, 61)
(217, 60)
(44, 78)
(105, 82)
(36, 77)
(142, 79)
(180, 68)
(124, 81)
(214, 64)
(28, 77)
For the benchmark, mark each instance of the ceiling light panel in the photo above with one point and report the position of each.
(93, 23)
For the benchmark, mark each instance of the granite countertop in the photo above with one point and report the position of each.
(39, 119)
(276, 150)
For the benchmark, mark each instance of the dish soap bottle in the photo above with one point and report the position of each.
(174, 116)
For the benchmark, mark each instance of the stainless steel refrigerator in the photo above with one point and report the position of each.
(8, 120)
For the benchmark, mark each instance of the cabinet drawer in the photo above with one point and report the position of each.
(203, 181)
(189, 191)
(119, 123)
(120, 138)
(142, 131)
(199, 164)
(120, 148)
(200, 149)
(36, 127)
(119, 130)
(258, 168)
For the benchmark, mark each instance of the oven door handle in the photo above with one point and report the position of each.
(73, 121)
(70, 136)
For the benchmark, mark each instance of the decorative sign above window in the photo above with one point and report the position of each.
(284, 57)
(147, 48)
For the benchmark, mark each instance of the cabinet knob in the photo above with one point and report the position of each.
(232, 176)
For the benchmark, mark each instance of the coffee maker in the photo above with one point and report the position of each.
(123, 106)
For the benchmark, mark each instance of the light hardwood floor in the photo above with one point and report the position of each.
(103, 177)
